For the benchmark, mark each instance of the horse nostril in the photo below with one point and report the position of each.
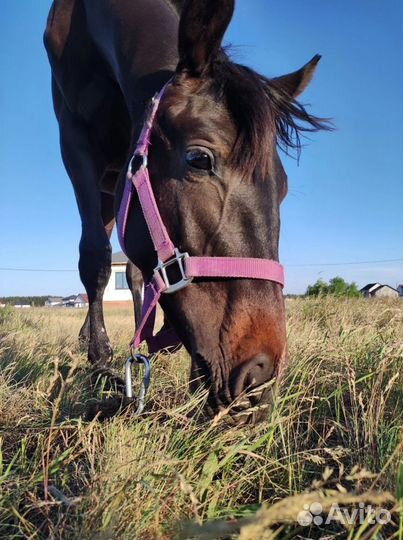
(250, 374)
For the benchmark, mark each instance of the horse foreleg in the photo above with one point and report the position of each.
(84, 334)
(136, 285)
(85, 168)
(108, 222)
(95, 270)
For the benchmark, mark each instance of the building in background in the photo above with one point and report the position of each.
(72, 301)
(68, 301)
(376, 290)
(81, 301)
(54, 301)
(117, 290)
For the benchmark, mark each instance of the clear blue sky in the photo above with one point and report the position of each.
(345, 202)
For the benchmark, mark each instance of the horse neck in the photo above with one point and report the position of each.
(178, 4)
(138, 40)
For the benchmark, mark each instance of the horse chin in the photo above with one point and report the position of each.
(250, 407)
(241, 416)
(253, 406)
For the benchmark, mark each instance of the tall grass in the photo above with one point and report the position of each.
(334, 435)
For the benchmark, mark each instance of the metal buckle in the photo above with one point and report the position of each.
(145, 383)
(144, 165)
(161, 267)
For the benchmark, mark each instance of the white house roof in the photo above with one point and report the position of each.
(119, 258)
(371, 287)
(81, 298)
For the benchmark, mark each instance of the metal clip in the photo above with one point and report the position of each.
(143, 165)
(145, 383)
(161, 267)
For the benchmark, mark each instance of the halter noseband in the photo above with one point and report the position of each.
(168, 255)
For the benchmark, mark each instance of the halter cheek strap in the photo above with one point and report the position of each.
(189, 267)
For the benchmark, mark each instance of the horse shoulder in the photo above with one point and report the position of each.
(74, 60)
(58, 27)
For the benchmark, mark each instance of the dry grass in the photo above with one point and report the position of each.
(334, 435)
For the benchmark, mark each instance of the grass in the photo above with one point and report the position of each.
(334, 436)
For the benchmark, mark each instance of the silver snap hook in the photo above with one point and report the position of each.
(145, 382)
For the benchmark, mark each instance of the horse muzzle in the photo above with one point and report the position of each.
(246, 396)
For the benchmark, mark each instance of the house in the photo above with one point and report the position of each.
(72, 301)
(76, 301)
(376, 290)
(68, 301)
(53, 301)
(116, 292)
(366, 291)
(117, 289)
(400, 290)
(81, 301)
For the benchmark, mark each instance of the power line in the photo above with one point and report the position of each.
(345, 263)
(37, 270)
(57, 270)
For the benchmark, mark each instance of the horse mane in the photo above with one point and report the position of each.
(262, 109)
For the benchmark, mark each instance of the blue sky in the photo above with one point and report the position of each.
(345, 201)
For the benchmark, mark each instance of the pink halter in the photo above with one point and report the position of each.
(168, 255)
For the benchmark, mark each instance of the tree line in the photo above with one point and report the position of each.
(335, 287)
(24, 300)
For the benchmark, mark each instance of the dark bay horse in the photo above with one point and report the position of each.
(213, 163)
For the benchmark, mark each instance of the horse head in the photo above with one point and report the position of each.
(219, 182)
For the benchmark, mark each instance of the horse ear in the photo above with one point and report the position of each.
(201, 30)
(295, 83)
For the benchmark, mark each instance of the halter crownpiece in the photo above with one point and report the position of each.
(189, 267)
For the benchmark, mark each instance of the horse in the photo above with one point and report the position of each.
(214, 167)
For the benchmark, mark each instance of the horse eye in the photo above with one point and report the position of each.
(199, 159)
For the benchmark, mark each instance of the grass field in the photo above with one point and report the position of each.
(334, 436)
